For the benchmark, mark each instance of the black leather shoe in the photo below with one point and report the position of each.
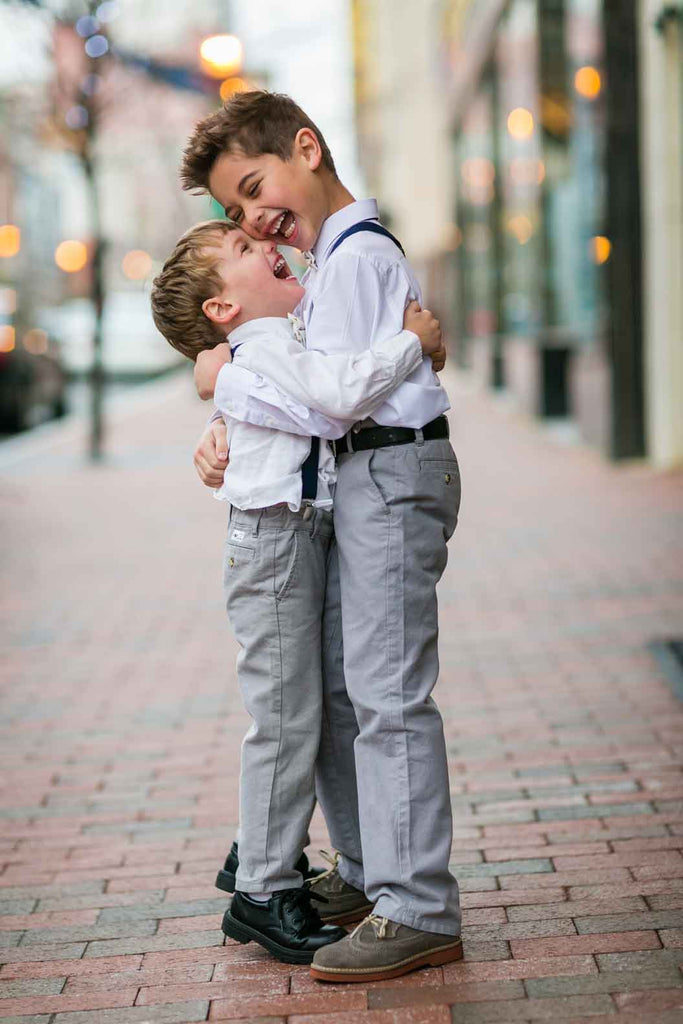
(225, 879)
(287, 925)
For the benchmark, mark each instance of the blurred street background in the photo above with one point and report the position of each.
(529, 155)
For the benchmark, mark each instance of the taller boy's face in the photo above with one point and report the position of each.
(282, 201)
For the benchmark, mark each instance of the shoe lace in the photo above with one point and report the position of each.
(333, 861)
(378, 923)
(300, 899)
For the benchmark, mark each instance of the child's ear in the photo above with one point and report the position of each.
(219, 312)
(307, 145)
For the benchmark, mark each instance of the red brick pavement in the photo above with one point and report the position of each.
(122, 724)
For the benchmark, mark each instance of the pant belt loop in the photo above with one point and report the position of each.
(419, 437)
(349, 442)
(258, 521)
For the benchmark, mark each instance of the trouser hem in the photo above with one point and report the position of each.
(402, 915)
(251, 885)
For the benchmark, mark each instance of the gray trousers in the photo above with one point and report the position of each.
(274, 578)
(382, 777)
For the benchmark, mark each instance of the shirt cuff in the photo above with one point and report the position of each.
(403, 349)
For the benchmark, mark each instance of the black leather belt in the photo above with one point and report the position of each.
(385, 437)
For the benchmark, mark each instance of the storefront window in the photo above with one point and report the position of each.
(521, 168)
(574, 198)
(476, 192)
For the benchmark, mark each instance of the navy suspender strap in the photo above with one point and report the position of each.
(364, 225)
(309, 472)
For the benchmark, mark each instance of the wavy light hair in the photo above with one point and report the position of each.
(189, 277)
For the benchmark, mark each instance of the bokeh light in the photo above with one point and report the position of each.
(136, 264)
(452, 237)
(71, 256)
(521, 227)
(96, 46)
(527, 171)
(478, 171)
(221, 56)
(87, 26)
(76, 117)
(587, 82)
(520, 123)
(10, 240)
(232, 85)
(8, 301)
(36, 341)
(600, 248)
(7, 338)
(107, 11)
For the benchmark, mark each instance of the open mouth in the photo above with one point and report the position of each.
(281, 269)
(283, 225)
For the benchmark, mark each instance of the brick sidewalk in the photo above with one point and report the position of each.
(123, 721)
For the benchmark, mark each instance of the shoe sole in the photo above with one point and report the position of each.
(437, 957)
(350, 917)
(235, 929)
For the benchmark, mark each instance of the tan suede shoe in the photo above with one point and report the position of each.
(345, 904)
(378, 949)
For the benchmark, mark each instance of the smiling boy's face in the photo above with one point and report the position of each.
(257, 282)
(270, 198)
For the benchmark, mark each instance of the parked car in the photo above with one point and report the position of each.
(32, 383)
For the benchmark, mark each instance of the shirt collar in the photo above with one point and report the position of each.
(262, 325)
(337, 223)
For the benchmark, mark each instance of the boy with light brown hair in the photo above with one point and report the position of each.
(219, 291)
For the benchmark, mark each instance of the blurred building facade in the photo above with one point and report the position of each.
(133, 202)
(143, 121)
(530, 155)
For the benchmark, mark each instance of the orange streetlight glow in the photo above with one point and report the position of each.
(7, 338)
(10, 240)
(520, 123)
(521, 227)
(587, 82)
(136, 264)
(71, 256)
(601, 248)
(221, 56)
(232, 85)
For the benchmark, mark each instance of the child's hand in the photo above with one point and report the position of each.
(428, 329)
(208, 366)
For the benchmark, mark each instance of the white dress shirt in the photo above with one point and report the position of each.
(265, 461)
(354, 298)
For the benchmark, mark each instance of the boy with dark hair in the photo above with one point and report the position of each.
(218, 283)
(396, 504)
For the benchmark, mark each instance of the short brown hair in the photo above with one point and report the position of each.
(251, 123)
(189, 277)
